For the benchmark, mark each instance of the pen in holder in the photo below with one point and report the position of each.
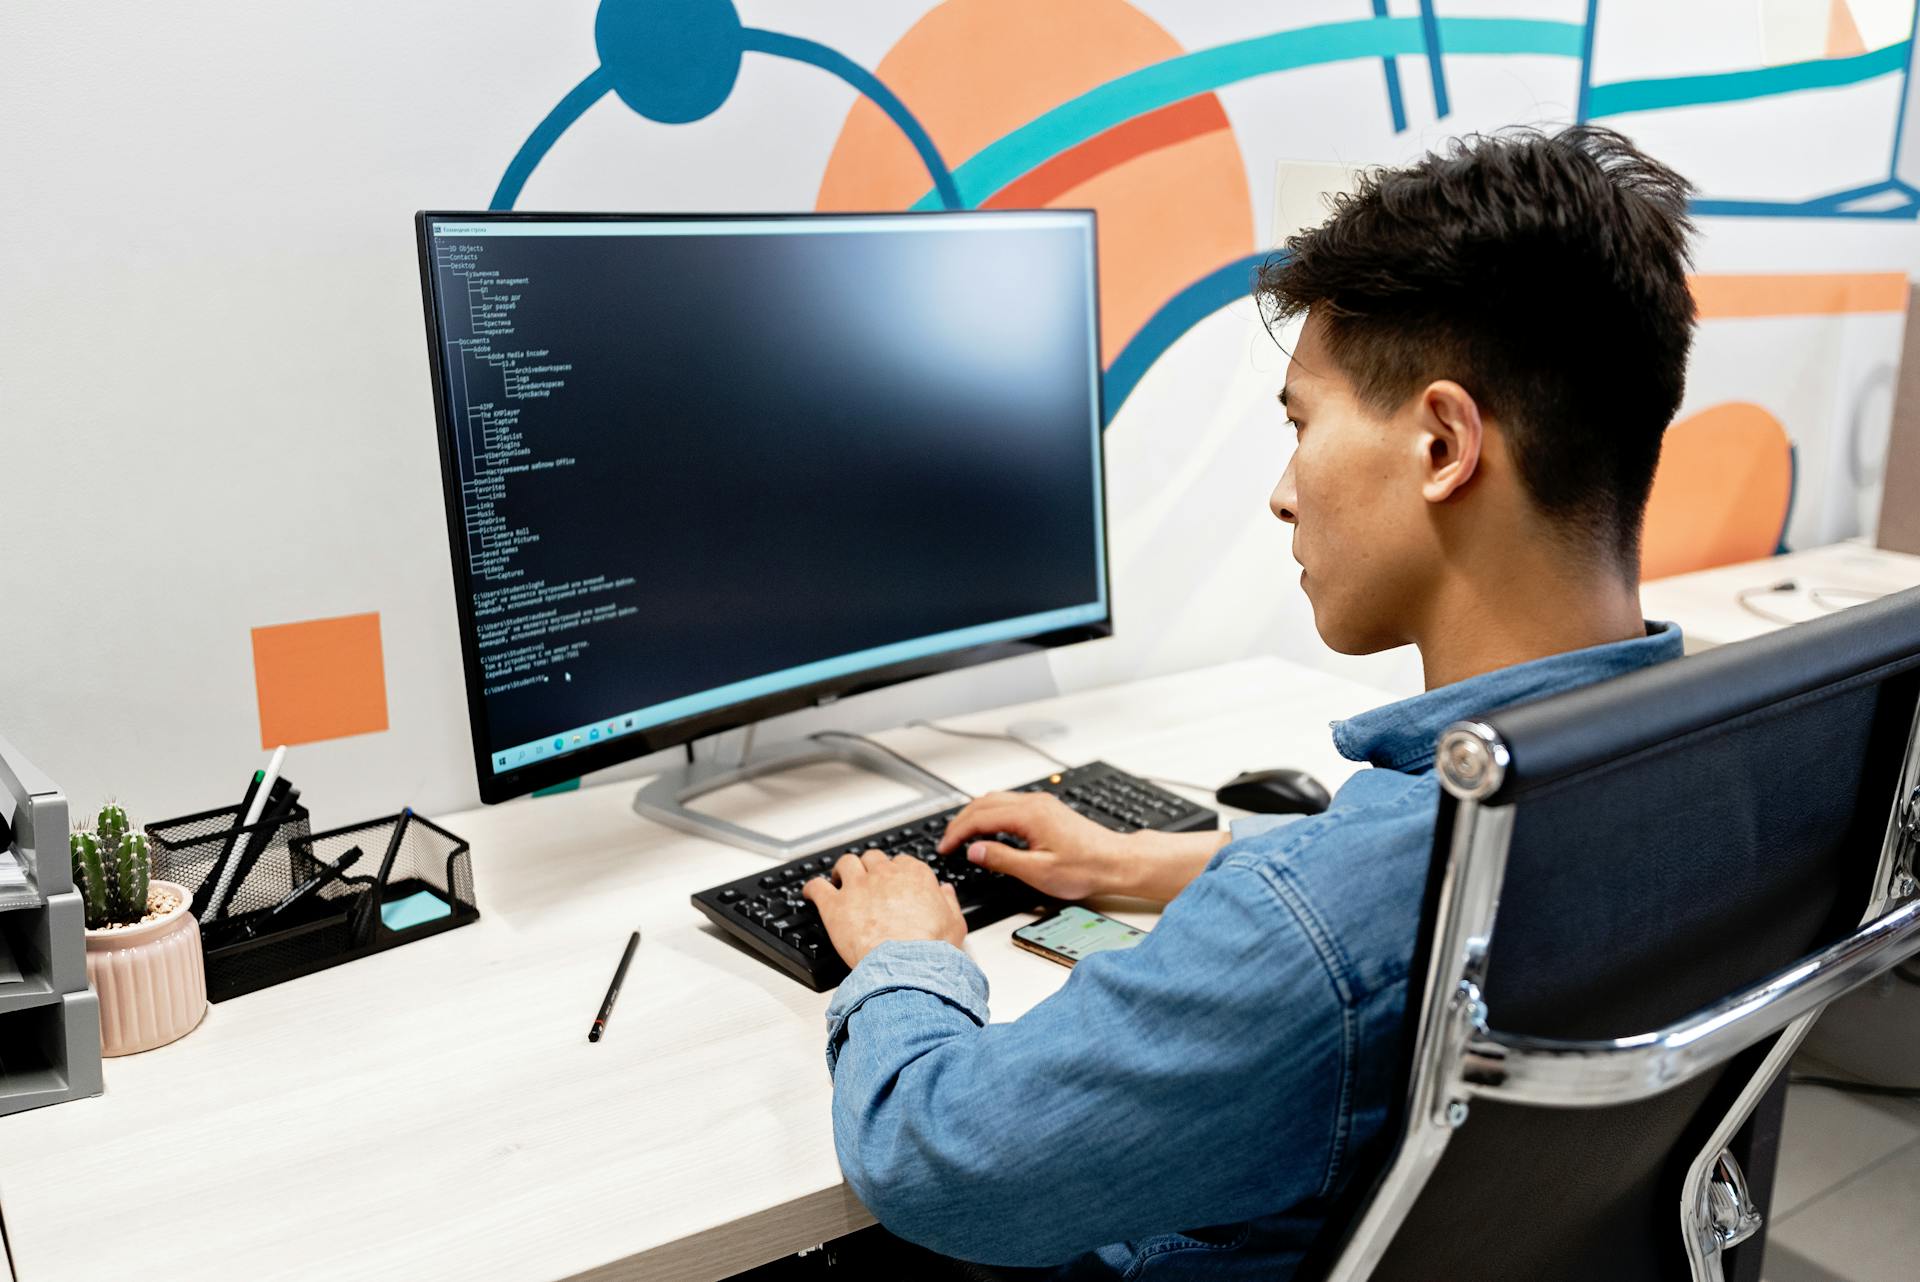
(313, 900)
(205, 854)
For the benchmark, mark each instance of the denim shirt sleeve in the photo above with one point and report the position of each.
(1143, 1097)
(926, 967)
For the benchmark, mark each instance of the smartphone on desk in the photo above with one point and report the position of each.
(1074, 932)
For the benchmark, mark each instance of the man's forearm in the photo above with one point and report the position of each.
(1158, 865)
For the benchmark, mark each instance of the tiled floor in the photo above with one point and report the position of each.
(1846, 1201)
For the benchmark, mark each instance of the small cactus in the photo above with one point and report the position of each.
(133, 863)
(111, 866)
(90, 874)
(112, 824)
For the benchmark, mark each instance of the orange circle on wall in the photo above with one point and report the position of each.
(1721, 493)
(1169, 188)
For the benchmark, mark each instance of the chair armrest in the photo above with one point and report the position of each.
(1560, 1073)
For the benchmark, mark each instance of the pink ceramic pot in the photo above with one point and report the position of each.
(150, 979)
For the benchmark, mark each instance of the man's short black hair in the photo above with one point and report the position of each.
(1546, 274)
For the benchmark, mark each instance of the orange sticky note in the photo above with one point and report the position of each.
(322, 679)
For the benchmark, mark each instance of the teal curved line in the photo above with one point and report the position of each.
(1150, 88)
(545, 134)
(813, 53)
(1176, 316)
(597, 85)
(1738, 86)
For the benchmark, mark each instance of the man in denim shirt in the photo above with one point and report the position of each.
(1495, 341)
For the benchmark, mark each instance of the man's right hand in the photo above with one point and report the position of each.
(1068, 855)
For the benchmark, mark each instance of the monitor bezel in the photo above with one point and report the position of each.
(501, 786)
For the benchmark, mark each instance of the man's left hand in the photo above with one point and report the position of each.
(881, 898)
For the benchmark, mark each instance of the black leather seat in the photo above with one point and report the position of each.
(1617, 875)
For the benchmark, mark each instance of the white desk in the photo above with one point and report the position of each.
(1706, 603)
(437, 1112)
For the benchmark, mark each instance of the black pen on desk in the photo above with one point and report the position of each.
(613, 989)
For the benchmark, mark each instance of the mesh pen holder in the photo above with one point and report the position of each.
(292, 915)
(192, 849)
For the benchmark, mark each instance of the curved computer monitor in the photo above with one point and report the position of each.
(704, 469)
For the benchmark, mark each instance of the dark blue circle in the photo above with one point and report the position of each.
(673, 61)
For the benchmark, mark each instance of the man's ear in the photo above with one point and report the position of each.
(1450, 439)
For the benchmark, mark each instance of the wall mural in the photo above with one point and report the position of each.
(1117, 116)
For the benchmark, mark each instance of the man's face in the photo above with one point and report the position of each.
(1352, 493)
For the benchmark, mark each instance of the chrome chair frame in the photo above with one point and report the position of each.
(1459, 1056)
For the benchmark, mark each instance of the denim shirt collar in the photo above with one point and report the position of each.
(1401, 736)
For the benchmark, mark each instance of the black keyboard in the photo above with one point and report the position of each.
(767, 913)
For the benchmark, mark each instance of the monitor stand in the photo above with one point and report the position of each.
(665, 797)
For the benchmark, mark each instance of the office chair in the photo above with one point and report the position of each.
(1642, 894)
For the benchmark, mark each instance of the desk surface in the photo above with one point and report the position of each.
(1706, 603)
(437, 1112)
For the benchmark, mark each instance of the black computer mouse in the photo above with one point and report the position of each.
(1275, 792)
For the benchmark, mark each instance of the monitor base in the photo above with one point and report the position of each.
(664, 799)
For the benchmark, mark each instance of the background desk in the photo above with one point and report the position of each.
(1706, 603)
(437, 1112)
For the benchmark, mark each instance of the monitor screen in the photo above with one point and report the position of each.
(704, 469)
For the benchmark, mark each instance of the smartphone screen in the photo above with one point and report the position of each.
(1075, 932)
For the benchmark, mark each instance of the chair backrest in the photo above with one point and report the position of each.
(1622, 876)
